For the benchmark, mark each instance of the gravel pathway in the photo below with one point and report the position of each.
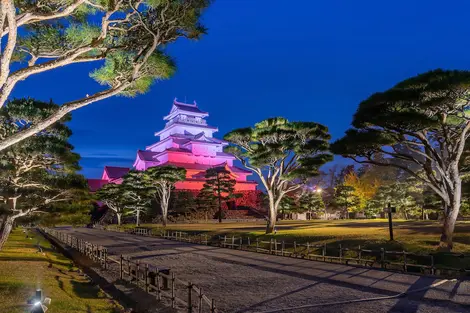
(246, 282)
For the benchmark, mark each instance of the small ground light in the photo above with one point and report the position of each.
(38, 304)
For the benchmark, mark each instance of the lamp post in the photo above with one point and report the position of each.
(389, 209)
(319, 191)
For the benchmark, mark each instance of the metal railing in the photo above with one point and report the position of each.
(158, 282)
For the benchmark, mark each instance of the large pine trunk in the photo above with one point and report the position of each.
(451, 212)
(272, 214)
(164, 219)
(137, 219)
(3, 219)
(6, 230)
(450, 217)
(164, 204)
(270, 226)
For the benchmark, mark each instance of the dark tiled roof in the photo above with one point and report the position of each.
(188, 107)
(178, 150)
(181, 141)
(116, 172)
(147, 155)
(95, 184)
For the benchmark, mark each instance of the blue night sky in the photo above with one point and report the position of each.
(312, 61)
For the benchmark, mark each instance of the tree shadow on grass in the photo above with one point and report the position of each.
(461, 238)
(11, 287)
(86, 290)
(60, 283)
(366, 244)
(33, 259)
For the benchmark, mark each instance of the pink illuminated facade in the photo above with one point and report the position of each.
(186, 141)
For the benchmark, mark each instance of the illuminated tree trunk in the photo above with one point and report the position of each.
(451, 212)
(137, 217)
(3, 219)
(119, 215)
(6, 230)
(219, 196)
(273, 208)
(164, 194)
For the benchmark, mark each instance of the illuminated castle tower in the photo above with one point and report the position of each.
(186, 141)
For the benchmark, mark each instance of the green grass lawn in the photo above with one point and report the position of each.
(412, 236)
(23, 269)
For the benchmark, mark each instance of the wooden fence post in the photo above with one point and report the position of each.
(308, 249)
(172, 290)
(324, 252)
(405, 267)
(432, 264)
(340, 253)
(146, 273)
(295, 248)
(275, 246)
(190, 300)
(249, 243)
(129, 267)
(257, 244)
(282, 248)
(233, 242)
(359, 253)
(159, 296)
(213, 306)
(382, 257)
(120, 267)
(200, 300)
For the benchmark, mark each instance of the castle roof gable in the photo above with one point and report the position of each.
(114, 172)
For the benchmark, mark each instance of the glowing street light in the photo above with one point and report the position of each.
(39, 305)
(319, 190)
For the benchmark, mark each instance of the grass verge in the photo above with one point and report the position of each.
(412, 236)
(23, 269)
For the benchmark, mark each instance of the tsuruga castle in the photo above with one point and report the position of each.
(186, 141)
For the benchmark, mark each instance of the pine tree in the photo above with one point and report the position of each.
(39, 171)
(126, 38)
(220, 186)
(311, 201)
(283, 154)
(420, 126)
(111, 196)
(346, 200)
(136, 194)
(159, 181)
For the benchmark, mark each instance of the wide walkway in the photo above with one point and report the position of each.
(242, 281)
